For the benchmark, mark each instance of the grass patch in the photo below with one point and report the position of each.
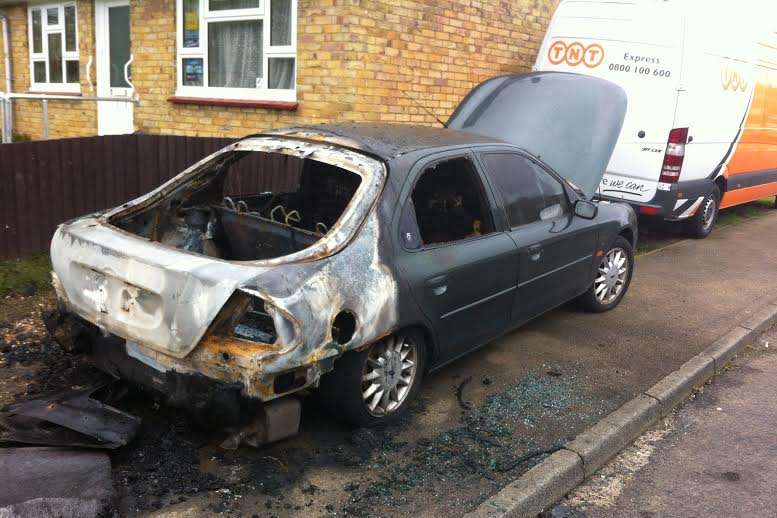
(27, 275)
(742, 213)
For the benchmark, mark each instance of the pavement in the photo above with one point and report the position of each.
(716, 456)
(480, 422)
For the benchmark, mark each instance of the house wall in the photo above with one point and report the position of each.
(66, 118)
(358, 60)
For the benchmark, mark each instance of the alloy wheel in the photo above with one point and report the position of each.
(388, 374)
(612, 275)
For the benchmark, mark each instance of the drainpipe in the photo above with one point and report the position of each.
(7, 108)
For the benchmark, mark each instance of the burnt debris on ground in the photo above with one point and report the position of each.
(172, 462)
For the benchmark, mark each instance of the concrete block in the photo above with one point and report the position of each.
(604, 440)
(542, 485)
(674, 388)
(762, 319)
(728, 346)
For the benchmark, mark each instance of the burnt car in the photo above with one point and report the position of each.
(355, 258)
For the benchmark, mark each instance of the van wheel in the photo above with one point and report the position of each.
(613, 277)
(376, 385)
(700, 224)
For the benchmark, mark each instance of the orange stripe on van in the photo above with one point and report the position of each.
(748, 194)
(757, 147)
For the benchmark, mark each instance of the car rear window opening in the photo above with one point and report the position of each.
(248, 206)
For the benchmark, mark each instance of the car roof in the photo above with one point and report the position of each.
(386, 141)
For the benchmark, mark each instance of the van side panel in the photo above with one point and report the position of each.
(715, 96)
(638, 46)
(751, 172)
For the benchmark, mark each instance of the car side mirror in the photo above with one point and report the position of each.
(586, 209)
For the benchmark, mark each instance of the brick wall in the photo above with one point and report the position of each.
(358, 60)
(66, 119)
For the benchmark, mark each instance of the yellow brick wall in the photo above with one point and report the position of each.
(66, 118)
(355, 60)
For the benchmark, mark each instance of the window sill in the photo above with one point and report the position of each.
(43, 91)
(234, 103)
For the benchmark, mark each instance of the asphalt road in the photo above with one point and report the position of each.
(715, 457)
(526, 392)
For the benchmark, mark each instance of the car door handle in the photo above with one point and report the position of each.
(439, 284)
(535, 252)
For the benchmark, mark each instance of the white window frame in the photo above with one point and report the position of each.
(46, 29)
(251, 94)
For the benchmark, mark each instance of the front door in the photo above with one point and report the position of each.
(112, 34)
(555, 248)
(461, 269)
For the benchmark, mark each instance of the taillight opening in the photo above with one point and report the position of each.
(674, 156)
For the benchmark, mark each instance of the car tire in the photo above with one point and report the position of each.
(611, 284)
(700, 225)
(361, 391)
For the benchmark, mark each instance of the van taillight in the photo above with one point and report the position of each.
(674, 156)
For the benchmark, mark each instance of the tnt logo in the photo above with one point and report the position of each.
(575, 53)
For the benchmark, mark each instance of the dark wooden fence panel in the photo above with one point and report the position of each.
(43, 184)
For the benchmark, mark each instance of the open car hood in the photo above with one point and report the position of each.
(570, 121)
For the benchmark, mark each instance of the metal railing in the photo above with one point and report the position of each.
(6, 100)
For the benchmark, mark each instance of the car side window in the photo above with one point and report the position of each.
(450, 203)
(529, 193)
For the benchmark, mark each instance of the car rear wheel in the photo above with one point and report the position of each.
(613, 277)
(376, 385)
(700, 224)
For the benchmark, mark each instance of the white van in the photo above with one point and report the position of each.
(701, 77)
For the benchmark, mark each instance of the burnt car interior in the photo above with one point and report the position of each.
(450, 203)
(249, 206)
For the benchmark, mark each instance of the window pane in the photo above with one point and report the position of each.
(235, 54)
(71, 69)
(37, 34)
(192, 72)
(449, 203)
(52, 15)
(70, 28)
(191, 23)
(552, 191)
(516, 180)
(39, 71)
(220, 5)
(119, 27)
(55, 58)
(281, 73)
(280, 22)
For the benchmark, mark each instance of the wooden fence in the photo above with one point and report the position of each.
(45, 183)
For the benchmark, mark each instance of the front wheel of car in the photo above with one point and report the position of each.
(700, 224)
(376, 385)
(613, 277)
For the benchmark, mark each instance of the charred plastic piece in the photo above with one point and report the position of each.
(71, 418)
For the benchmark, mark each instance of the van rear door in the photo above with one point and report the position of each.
(637, 45)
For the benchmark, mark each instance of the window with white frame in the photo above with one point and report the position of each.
(237, 49)
(53, 41)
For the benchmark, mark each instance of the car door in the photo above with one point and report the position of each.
(462, 281)
(555, 248)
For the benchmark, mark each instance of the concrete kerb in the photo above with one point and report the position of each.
(561, 472)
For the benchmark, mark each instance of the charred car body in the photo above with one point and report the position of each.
(390, 250)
